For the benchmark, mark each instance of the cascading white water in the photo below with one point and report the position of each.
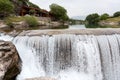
(69, 57)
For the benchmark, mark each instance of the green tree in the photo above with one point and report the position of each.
(59, 12)
(6, 8)
(116, 14)
(104, 16)
(93, 18)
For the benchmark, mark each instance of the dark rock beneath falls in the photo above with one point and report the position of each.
(9, 61)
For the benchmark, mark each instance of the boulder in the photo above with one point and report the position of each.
(41, 78)
(9, 61)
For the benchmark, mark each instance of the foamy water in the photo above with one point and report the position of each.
(69, 57)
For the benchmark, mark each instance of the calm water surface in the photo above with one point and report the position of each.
(78, 26)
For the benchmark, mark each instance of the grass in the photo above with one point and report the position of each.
(115, 19)
(30, 20)
(14, 19)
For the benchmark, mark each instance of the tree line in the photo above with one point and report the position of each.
(95, 17)
(7, 8)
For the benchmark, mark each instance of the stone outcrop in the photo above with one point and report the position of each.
(9, 61)
(41, 78)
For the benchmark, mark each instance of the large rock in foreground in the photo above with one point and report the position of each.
(9, 61)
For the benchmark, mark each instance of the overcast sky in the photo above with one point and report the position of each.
(82, 7)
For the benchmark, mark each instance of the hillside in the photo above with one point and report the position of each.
(111, 22)
(19, 4)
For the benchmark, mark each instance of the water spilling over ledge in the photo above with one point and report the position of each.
(69, 54)
(98, 31)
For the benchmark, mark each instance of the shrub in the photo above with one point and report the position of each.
(116, 14)
(104, 16)
(6, 8)
(93, 18)
(31, 21)
(9, 20)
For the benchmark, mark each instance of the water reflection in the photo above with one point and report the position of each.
(78, 26)
(98, 26)
(94, 26)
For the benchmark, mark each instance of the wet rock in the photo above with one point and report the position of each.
(9, 61)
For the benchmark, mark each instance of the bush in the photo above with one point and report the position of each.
(31, 21)
(116, 14)
(6, 8)
(93, 18)
(9, 20)
(104, 16)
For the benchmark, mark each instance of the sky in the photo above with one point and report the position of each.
(82, 7)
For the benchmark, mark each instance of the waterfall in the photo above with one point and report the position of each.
(69, 56)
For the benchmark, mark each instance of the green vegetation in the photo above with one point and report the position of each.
(33, 5)
(104, 16)
(116, 14)
(9, 20)
(59, 12)
(30, 20)
(93, 18)
(115, 19)
(6, 8)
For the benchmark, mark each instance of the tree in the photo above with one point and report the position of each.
(116, 14)
(92, 18)
(6, 8)
(104, 16)
(59, 12)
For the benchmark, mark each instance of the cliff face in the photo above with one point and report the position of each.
(18, 4)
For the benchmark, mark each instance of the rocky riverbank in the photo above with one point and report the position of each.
(42, 23)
